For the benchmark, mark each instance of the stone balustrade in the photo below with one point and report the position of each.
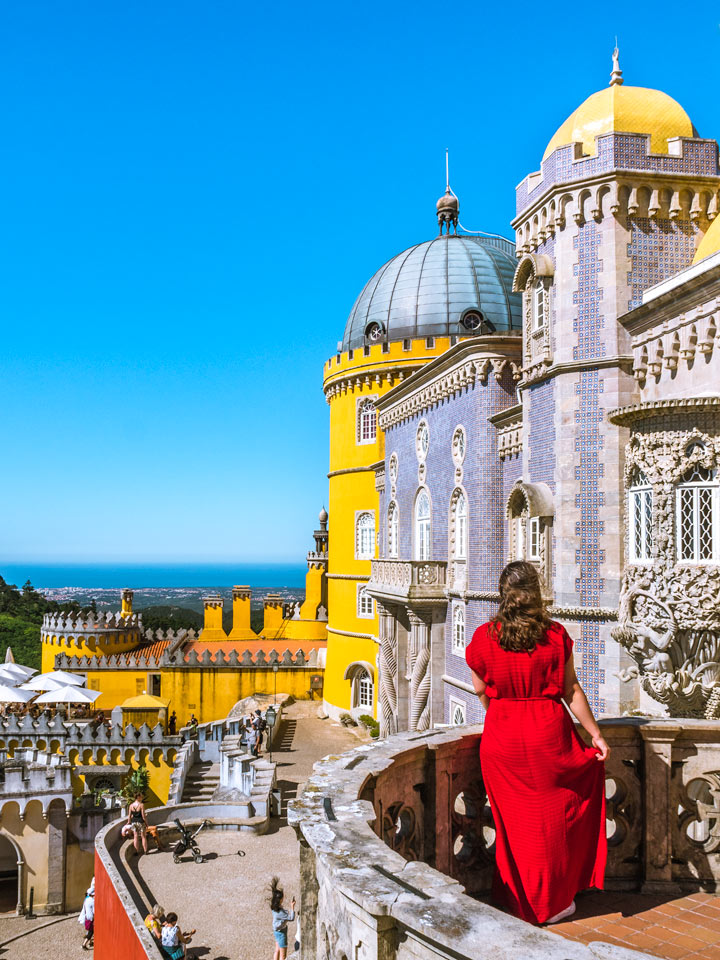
(396, 837)
(414, 581)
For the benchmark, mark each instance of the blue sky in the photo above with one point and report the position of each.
(193, 194)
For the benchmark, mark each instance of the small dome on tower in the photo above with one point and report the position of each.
(622, 109)
(448, 201)
(323, 516)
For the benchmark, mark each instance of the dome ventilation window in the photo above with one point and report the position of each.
(474, 321)
(374, 332)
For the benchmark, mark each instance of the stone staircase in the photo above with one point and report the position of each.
(202, 782)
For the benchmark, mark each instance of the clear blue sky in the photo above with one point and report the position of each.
(193, 194)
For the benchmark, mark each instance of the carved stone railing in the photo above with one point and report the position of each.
(408, 581)
(394, 836)
(136, 660)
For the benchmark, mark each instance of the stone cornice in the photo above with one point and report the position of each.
(673, 302)
(458, 368)
(578, 366)
(508, 417)
(704, 181)
(347, 576)
(658, 408)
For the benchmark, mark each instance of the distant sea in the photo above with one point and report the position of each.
(156, 576)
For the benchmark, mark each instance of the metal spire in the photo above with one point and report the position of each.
(616, 77)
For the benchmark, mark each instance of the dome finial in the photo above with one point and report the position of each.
(616, 77)
(448, 206)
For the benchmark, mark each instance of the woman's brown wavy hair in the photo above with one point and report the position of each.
(522, 619)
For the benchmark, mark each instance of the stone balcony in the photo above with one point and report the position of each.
(408, 581)
(397, 844)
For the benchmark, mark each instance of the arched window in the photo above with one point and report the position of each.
(365, 535)
(459, 520)
(422, 526)
(393, 530)
(457, 712)
(640, 516)
(458, 629)
(362, 690)
(366, 421)
(698, 517)
(538, 294)
(365, 603)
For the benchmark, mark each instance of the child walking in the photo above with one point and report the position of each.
(280, 918)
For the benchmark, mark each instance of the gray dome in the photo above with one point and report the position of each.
(426, 290)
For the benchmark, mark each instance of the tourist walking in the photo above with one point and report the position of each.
(545, 787)
(251, 738)
(260, 724)
(172, 938)
(172, 724)
(280, 918)
(87, 916)
(136, 820)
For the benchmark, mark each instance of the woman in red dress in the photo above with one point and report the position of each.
(545, 787)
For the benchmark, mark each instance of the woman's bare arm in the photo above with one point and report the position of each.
(577, 702)
(480, 689)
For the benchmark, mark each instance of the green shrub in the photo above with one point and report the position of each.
(136, 782)
(371, 723)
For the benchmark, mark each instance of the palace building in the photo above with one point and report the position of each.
(564, 407)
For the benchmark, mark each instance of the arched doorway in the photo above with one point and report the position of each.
(10, 866)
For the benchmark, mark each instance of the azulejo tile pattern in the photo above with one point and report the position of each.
(657, 250)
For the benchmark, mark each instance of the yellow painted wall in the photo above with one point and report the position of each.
(79, 869)
(355, 491)
(31, 835)
(96, 644)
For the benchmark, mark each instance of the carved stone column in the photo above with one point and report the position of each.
(57, 845)
(658, 743)
(419, 671)
(388, 670)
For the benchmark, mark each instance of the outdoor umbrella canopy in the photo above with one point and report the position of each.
(13, 695)
(16, 670)
(69, 694)
(54, 679)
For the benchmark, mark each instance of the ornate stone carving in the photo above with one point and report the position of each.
(388, 674)
(419, 672)
(669, 615)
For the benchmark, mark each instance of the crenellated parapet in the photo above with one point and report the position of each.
(233, 659)
(90, 623)
(39, 777)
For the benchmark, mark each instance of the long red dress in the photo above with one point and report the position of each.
(545, 787)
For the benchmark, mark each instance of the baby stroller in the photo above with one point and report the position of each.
(187, 842)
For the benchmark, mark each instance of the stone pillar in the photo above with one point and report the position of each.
(57, 845)
(387, 673)
(241, 598)
(419, 671)
(658, 741)
(272, 615)
(307, 915)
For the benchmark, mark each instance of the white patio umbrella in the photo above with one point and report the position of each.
(17, 670)
(52, 680)
(13, 695)
(69, 695)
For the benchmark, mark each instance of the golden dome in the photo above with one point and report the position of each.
(625, 110)
(710, 243)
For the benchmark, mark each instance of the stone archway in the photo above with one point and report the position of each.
(12, 865)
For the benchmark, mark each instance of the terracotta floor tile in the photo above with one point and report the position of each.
(635, 922)
(708, 910)
(641, 941)
(664, 932)
(670, 908)
(683, 923)
(672, 951)
(708, 934)
(690, 943)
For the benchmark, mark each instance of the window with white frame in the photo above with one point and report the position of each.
(422, 526)
(366, 420)
(458, 629)
(640, 516)
(362, 689)
(538, 295)
(458, 712)
(365, 535)
(393, 530)
(365, 603)
(534, 539)
(698, 517)
(518, 537)
(460, 524)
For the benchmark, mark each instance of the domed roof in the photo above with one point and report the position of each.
(710, 243)
(623, 109)
(426, 290)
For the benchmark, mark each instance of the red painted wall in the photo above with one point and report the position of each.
(115, 938)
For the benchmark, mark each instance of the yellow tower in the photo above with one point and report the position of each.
(411, 311)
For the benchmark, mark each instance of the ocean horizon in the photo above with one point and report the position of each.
(107, 576)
